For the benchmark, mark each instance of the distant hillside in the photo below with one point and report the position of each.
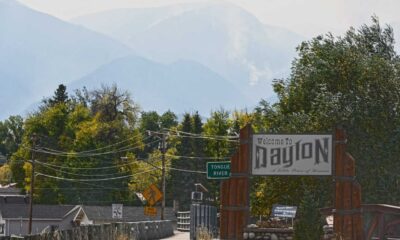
(180, 86)
(37, 52)
(221, 36)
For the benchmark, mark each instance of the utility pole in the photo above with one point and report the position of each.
(163, 149)
(32, 183)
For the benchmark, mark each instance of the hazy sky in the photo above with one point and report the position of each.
(307, 17)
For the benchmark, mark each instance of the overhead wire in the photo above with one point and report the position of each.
(83, 175)
(194, 157)
(73, 154)
(93, 168)
(97, 149)
(199, 136)
(92, 179)
(186, 170)
(202, 135)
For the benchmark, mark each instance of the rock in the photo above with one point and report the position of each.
(274, 237)
(252, 235)
(245, 235)
(252, 226)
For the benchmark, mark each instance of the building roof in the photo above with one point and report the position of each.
(10, 190)
(14, 199)
(39, 211)
(129, 214)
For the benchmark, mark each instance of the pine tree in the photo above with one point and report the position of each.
(182, 183)
(198, 146)
(309, 224)
(60, 96)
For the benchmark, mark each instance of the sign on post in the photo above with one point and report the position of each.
(282, 154)
(218, 170)
(150, 211)
(117, 211)
(283, 211)
(152, 195)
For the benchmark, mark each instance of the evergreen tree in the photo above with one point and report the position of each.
(168, 120)
(182, 183)
(309, 224)
(198, 146)
(149, 121)
(60, 95)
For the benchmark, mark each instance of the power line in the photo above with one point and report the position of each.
(186, 170)
(198, 136)
(78, 188)
(92, 168)
(91, 180)
(97, 149)
(73, 154)
(194, 157)
(202, 135)
(83, 175)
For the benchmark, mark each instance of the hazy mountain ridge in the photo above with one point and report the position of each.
(221, 36)
(38, 51)
(201, 56)
(181, 86)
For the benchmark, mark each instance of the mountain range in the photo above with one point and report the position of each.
(181, 57)
(223, 37)
(38, 51)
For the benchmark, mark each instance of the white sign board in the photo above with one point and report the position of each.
(305, 155)
(284, 211)
(117, 211)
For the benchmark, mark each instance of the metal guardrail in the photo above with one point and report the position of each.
(202, 216)
(183, 221)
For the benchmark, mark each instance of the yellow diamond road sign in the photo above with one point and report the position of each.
(150, 211)
(152, 195)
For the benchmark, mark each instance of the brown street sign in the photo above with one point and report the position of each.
(150, 211)
(152, 195)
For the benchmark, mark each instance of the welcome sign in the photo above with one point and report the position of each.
(284, 155)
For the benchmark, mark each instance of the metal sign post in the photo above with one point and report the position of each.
(150, 211)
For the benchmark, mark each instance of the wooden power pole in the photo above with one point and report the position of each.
(163, 149)
(34, 139)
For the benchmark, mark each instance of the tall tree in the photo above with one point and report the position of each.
(182, 183)
(11, 131)
(60, 96)
(85, 142)
(168, 120)
(351, 81)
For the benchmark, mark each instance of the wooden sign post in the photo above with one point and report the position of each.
(235, 204)
(347, 212)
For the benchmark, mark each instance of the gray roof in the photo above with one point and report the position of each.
(39, 211)
(16, 199)
(129, 214)
(10, 190)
